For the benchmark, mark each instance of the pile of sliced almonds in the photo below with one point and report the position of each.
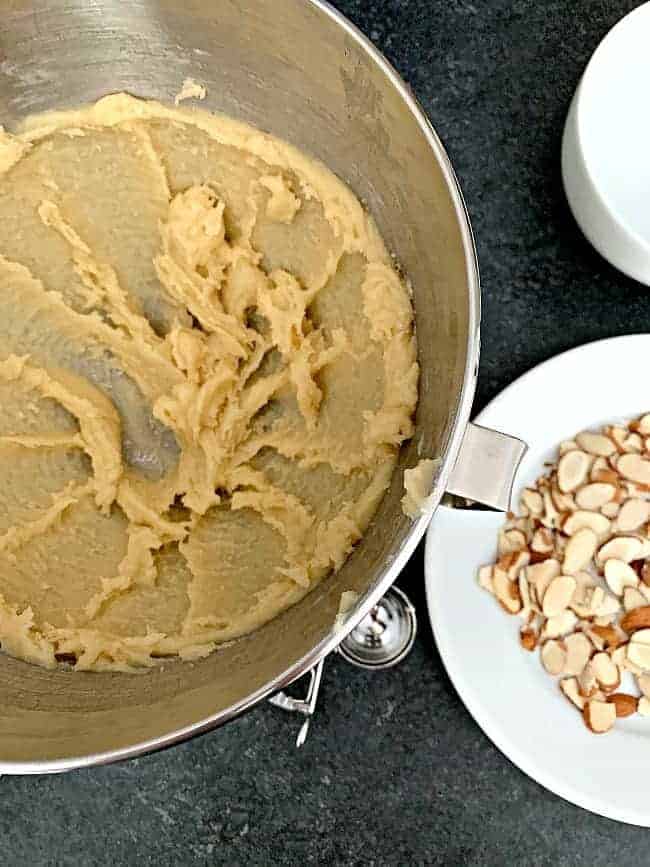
(575, 565)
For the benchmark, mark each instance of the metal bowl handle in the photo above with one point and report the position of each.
(486, 467)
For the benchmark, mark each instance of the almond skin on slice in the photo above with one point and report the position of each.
(596, 444)
(625, 704)
(528, 638)
(638, 618)
(609, 636)
(641, 425)
(599, 716)
(634, 467)
(572, 470)
(606, 672)
(513, 563)
(553, 656)
(558, 595)
(625, 548)
(620, 575)
(506, 591)
(582, 518)
(594, 496)
(633, 513)
(606, 475)
(587, 683)
(580, 548)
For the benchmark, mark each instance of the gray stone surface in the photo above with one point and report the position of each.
(395, 771)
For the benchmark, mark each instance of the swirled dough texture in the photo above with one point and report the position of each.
(207, 366)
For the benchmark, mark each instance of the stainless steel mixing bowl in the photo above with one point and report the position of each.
(301, 71)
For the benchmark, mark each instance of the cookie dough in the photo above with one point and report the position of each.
(207, 367)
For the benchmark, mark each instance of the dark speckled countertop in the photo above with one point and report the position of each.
(395, 771)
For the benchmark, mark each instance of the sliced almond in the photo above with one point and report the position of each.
(633, 467)
(594, 496)
(485, 578)
(524, 593)
(638, 652)
(533, 501)
(638, 618)
(579, 551)
(605, 474)
(567, 446)
(620, 575)
(617, 434)
(583, 518)
(587, 682)
(633, 598)
(599, 716)
(596, 444)
(513, 563)
(572, 470)
(610, 510)
(625, 704)
(643, 682)
(609, 636)
(506, 591)
(608, 606)
(528, 637)
(511, 541)
(606, 672)
(558, 595)
(551, 515)
(628, 665)
(578, 651)
(625, 548)
(542, 541)
(643, 707)
(632, 515)
(642, 425)
(569, 686)
(619, 655)
(583, 596)
(604, 619)
(540, 575)
(560, 625)
(553, 656)
(633, 443)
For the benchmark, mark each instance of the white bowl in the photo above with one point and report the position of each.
(606, 147)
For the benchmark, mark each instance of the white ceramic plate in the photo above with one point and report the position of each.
(518, 706)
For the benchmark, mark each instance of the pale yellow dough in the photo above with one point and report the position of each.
(207, 366)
